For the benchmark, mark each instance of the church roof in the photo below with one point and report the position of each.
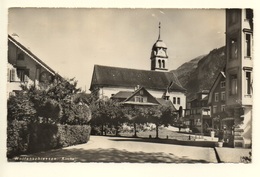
(106, 76)
(159, 43)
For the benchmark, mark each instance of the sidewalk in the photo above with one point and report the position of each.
(231, 155)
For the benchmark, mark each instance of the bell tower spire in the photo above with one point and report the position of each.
(159, 54)
(159, 31)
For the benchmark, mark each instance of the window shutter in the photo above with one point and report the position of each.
(12, 73)
(8, 75)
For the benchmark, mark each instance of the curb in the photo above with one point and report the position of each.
(217, 156)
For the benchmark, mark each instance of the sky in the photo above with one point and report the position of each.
(72, 40)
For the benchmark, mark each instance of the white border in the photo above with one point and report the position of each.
(151, 170)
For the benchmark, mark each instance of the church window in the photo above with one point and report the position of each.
(163, 63)
(178, 100)
(174, 100)
(159, 62)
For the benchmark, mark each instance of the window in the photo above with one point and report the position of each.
(163, 63)
(174, 100)
(233, 48)
(216, 97)
(159, 62)
(248, 83)
(140, 99)
(223, 108)
(223, 96)
(233, 84)
(23, 74)
(248, 45)
(214, 109)
(222, 84)
(178, 100)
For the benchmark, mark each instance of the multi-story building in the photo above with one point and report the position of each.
(198, 114)
(217, 101)
(24, 68)
(239, 73)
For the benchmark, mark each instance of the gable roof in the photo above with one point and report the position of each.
(31, 55)
(153, 100)
(166, 103)
(125, 77)
(216, 82)
(122, 94)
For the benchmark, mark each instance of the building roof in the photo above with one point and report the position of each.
(122, 94)
(166, 103)
(159, 43)
(124, 77)
(153, 100)
(216, 82)
(30, 54)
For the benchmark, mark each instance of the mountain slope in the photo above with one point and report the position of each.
(201, 72)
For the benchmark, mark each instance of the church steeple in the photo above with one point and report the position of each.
(159, 31)
(159, 54)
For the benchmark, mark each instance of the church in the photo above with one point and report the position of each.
(125, 83)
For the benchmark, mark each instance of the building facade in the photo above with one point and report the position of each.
(24, 68)
(239, 73)
(197, 117)
(221, 121)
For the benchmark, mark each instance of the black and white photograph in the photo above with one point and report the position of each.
(139, 86)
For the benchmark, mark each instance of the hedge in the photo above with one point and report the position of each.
(26, 138)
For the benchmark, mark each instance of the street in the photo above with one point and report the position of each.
(119, 149)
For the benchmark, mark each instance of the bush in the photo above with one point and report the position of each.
(24, 137)
(17, 138)
(73, 134)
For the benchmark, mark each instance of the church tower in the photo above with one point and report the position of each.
(159, 56)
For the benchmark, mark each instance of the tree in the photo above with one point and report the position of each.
(99, 110)
(20, 107)
(56, 102)
(117, 115)
(107, 112)
(160, 115)
(135, 115)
